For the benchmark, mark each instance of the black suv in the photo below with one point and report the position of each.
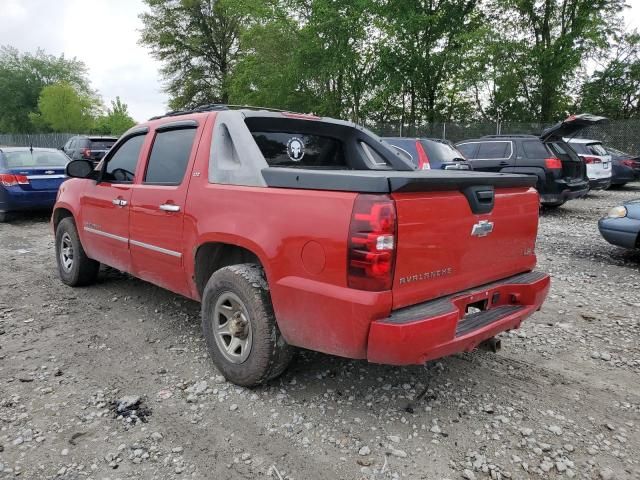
(82, 147)
(562, 175)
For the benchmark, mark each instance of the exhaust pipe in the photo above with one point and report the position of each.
(493, 344)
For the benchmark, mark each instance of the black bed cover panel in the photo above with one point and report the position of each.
(376, 181)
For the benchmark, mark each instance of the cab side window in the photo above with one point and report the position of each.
(121, 166)
(169, 157)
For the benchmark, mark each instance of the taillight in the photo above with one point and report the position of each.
(372, 243)
(423, 158)
(86, 152)
(591, 160)
(11, 180)
(630, 163)
(553, 163)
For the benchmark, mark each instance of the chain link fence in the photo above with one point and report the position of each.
(42, 140)
(621, 134)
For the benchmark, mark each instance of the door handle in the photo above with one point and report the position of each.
(119, 202)
(170, 207)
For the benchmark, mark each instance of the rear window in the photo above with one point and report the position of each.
(442, 151)
(494, 150)
(101, 144)
(534, 149)
(26, 158)
(596, 149)
(580, 148)
(284, 149)
(407, 148)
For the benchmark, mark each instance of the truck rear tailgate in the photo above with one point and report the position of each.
(443, 247)
(455, 230)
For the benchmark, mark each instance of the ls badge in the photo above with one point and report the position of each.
(482, 228)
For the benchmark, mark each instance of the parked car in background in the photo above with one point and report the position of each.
(295, 230)
(82, 147)
(625, 167)
(29, 178)
(621, 225)
(430, 153)
(561, 174)
(597, 160)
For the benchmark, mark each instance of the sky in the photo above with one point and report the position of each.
(104, 34)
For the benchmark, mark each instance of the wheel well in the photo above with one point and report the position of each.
(211, 257)
(59, 215)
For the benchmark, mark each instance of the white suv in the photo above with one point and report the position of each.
(597, 160)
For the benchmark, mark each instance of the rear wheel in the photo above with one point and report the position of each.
(74, 267)
(240, 328)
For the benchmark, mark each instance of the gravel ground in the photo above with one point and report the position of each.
(113, 382)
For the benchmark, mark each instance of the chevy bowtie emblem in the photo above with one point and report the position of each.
(482, 228)
(49, 172)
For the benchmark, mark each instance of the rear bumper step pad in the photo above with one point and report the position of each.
(434, 329)
(477, 320)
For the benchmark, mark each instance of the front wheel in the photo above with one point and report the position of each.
(74, 267)
(240, 328)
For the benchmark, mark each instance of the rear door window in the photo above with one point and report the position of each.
(283, 149)
(169, 157)
(534, 149)
(493, 150)
(121, 166)
(468, 149)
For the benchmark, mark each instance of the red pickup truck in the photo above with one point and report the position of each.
(294, 230)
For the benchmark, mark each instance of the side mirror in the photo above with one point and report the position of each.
(79, 169)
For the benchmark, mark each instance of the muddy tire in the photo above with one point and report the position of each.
(74, 267)
(240, 328)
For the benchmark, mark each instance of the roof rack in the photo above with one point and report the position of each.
(514, 135)
(214, 107)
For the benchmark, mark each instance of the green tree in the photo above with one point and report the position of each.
(546, 41)
(197, 40)
(63, 109)
(424, 50)
(116, 121)
(614, 90)
(22, 78)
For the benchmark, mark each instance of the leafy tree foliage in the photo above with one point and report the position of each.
(22, 78)
(614, 90)
(197, 40)
(63, 109)
(546, 42)
(116, 121)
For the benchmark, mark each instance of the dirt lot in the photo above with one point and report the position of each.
(561, 400)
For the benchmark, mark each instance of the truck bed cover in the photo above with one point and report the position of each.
(388, 181)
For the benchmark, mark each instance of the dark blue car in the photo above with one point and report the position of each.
(430, 153)
(621, 225)
(29, 178)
